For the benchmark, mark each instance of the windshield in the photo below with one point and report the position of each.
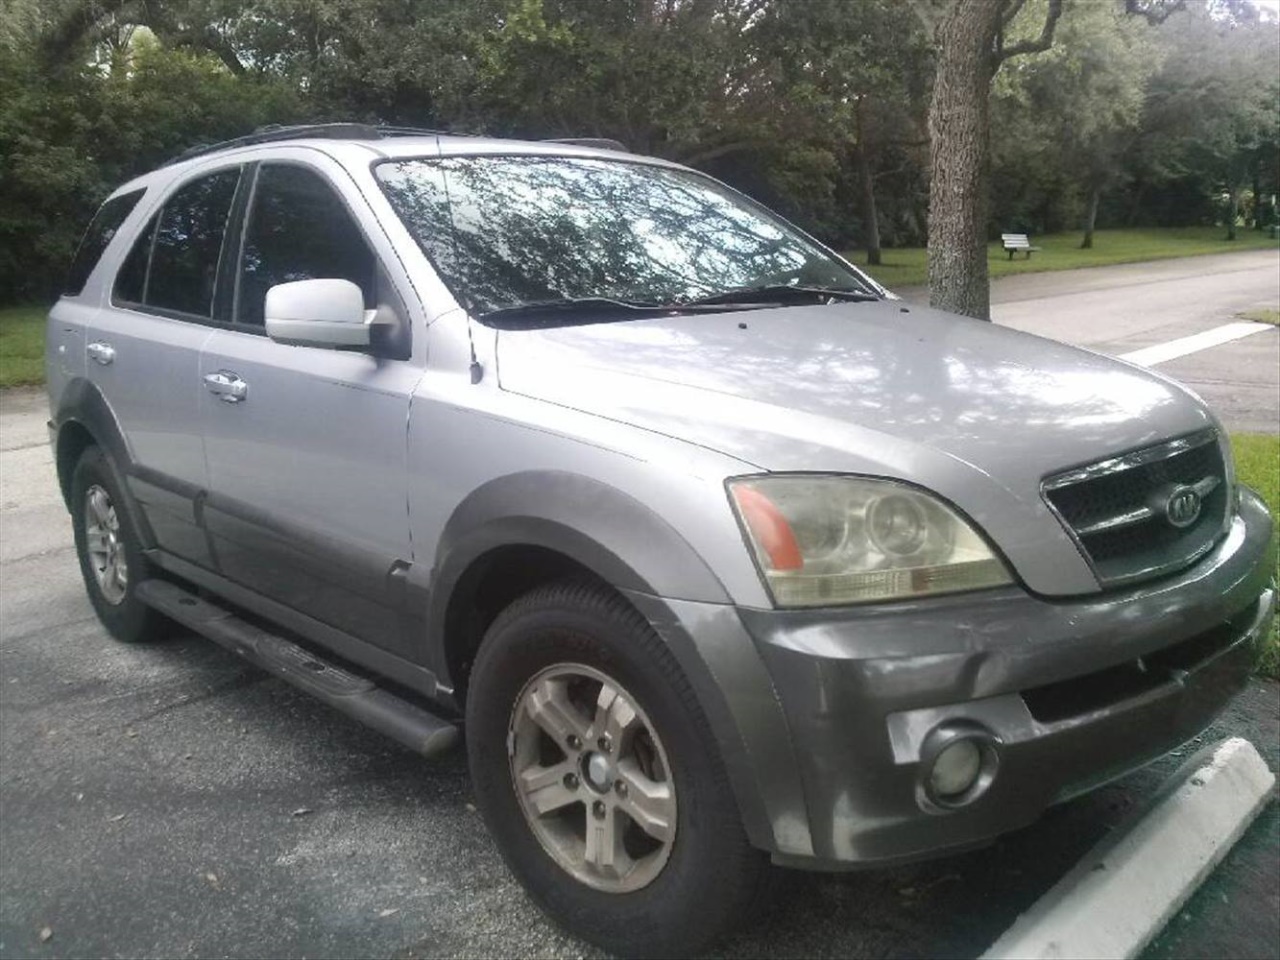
(507, 232)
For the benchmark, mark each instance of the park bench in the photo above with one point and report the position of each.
(1013, 242)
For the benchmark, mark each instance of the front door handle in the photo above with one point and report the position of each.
(103, 353)
(227, 385)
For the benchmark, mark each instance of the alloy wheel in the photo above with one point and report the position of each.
(592, 778)
(104, 544)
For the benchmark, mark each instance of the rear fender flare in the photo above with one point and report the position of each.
(83, 405)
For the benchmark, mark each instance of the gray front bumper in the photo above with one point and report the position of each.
(1076, 692)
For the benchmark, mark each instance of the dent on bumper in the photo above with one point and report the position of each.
(861, 688)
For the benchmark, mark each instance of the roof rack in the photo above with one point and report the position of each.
(388, 131)
(275, 132)
(600, 143)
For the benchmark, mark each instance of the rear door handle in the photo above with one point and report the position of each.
(103, 353)
(227, 385)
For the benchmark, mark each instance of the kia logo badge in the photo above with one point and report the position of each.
(1183, 507)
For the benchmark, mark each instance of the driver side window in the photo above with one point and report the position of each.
(298, 229)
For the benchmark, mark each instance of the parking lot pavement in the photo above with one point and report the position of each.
(1239, 380)
(170, 800)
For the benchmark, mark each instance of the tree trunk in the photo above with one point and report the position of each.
(1257, 192)
(1233, 208)
(959, 153)
(870, 218)
(1139, 191)
(1090, 218)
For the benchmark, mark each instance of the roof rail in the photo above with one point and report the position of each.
(600, 143)
(310, 131)
(275, 132)
(387, 131)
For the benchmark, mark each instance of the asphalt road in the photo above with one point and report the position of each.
(169, 800)
(1126, 307)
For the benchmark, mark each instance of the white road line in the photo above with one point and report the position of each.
(1150, 356)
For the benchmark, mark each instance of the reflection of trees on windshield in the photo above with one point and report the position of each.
(505, 231)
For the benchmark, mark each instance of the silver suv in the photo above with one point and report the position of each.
(720, 553)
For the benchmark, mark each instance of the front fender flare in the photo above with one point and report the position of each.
(604, 529)
(640, 554)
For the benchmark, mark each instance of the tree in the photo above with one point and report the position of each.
(120, 103)
(824, 109)
(970, 41)
(854, 71)
(1073, 113)
(1211, 108)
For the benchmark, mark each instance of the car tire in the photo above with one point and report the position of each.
(668, 888)
(110, 552)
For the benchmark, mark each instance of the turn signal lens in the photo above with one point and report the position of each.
(769, 529)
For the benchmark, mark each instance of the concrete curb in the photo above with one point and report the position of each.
(1123, 892)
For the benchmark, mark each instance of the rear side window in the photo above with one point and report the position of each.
(100, 233)
(174, 262)
(299, 229)
(131, 281)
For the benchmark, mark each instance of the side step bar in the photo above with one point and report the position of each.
(356, 696)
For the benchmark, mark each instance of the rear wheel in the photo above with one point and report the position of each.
(109, 550)
(596, 770)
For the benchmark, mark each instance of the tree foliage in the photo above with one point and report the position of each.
(1137, 110)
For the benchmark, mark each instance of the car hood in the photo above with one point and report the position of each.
(877, 388)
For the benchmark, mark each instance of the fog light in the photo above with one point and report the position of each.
(959, 760)
(956, 769)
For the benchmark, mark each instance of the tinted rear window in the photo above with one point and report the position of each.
(101, 230)
(188, 243)
(131, 280)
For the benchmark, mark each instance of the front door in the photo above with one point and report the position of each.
(306, 456)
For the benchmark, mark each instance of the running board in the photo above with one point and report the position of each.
(356, 696)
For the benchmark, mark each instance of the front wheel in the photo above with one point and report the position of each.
(597, 773)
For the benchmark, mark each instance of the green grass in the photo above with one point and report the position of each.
(1258, 466)
(22, 345)
(1262, 315)
(1061, 251)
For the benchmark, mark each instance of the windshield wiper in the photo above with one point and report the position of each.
(536, 309)
(772, 292)
(577, 309)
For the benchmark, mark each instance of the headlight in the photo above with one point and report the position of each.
(825, 540)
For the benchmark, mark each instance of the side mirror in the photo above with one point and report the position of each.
(318, 313)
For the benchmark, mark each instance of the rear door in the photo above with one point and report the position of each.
(143, 350)
(72, 315)
(308, 493)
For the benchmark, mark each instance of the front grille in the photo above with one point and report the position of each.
(1122, 513)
